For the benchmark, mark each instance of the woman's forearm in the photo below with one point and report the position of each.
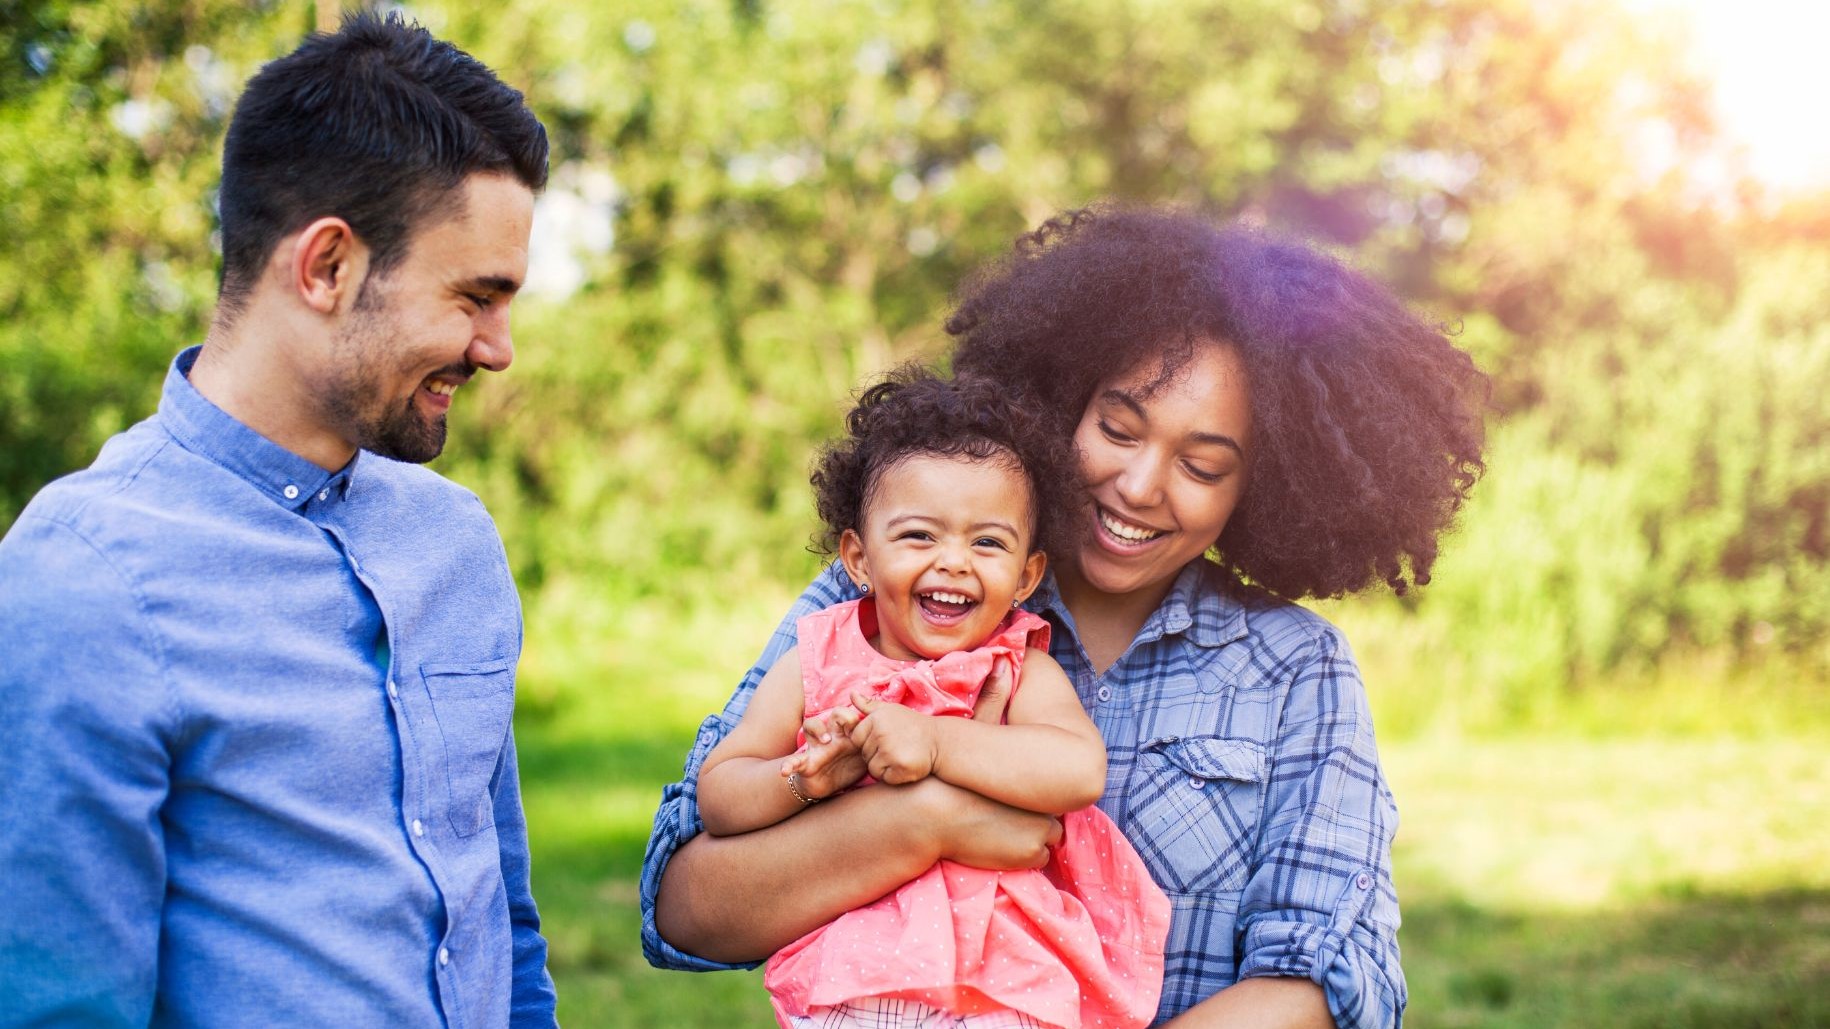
(741, 898)
(1261, 1003)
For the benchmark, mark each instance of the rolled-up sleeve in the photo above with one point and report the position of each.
(677, 820)
(1320, 904)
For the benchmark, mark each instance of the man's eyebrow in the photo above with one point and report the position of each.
(1123, 399)
(490, 284)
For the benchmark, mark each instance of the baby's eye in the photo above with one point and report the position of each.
(916, 534)
(990, 541)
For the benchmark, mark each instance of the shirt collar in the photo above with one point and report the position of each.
(210, 432)
(1207, 615)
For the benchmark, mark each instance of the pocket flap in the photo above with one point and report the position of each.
(1214, 757)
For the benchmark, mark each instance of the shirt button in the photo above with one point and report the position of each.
(1363, 881)
(291, 491)
(1197, 782)
(324, 494)
(419, 827)
(444, 956)
(1105, 694)
(393, 690)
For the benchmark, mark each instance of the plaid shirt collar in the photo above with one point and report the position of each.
(1206, 617)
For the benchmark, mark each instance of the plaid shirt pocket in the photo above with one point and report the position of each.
(1195, 808)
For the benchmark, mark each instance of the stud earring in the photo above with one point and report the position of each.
(864, 588)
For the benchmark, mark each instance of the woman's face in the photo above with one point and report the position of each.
(1164, 469)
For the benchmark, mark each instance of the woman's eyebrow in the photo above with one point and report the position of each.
(1219, 440)
(1126, 400)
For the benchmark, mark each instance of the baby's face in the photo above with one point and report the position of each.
(945, 547)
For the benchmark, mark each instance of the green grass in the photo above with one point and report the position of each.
(1644, 878)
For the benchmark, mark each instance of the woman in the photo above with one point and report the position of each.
(1257, 424)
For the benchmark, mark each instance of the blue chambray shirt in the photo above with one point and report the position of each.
(256, 744)
(1242, 768)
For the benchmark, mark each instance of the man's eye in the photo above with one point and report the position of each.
(479, 299)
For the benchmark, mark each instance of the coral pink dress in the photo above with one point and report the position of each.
(1077, 944)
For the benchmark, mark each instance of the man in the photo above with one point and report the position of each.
(259, 667)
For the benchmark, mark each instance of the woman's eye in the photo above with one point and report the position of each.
(1113, 432)
(1203, 475)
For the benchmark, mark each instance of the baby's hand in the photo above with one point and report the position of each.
(830, 761)
(898, 744)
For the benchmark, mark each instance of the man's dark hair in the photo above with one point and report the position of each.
(916, 413)
(1366, 420)
(378, 124)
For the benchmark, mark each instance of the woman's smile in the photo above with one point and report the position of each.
(1164, 465)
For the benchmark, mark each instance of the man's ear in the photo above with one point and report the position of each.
(328, 266)
(851, 555)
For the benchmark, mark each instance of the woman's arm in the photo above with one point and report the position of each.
(1049, 758)
(1319, 906)
(738, 899)
(1260, 1004)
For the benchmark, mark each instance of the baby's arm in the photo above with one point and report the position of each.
(743, 784)
(1049, 759)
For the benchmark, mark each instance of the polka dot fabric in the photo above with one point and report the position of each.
(1077, 944)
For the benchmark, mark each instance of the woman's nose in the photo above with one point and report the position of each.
(1140, 482)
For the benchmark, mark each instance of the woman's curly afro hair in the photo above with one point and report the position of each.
(1366, 420)
(913, 412)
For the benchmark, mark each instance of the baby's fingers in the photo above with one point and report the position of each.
(815, 728)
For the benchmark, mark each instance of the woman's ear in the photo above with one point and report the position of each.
(1033, 567)
(851, 555)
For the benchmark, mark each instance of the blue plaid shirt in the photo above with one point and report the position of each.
(1241, 766)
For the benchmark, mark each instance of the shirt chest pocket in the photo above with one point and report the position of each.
(473, 704)
(1195, 808)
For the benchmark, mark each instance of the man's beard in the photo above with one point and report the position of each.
(352, 399)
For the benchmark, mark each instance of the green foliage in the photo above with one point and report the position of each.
(766, 203)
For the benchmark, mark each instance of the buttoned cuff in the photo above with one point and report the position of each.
(1357, 969)
(676, 822)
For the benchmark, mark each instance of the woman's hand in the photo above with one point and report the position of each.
(994, 696)
(899, 744)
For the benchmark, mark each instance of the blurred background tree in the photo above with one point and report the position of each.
(757, 205)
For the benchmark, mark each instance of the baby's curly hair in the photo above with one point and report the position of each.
(1367, 421)
(915, 412)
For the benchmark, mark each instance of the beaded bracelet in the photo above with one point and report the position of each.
(794, 787)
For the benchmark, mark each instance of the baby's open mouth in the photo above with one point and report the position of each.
(945, 605)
